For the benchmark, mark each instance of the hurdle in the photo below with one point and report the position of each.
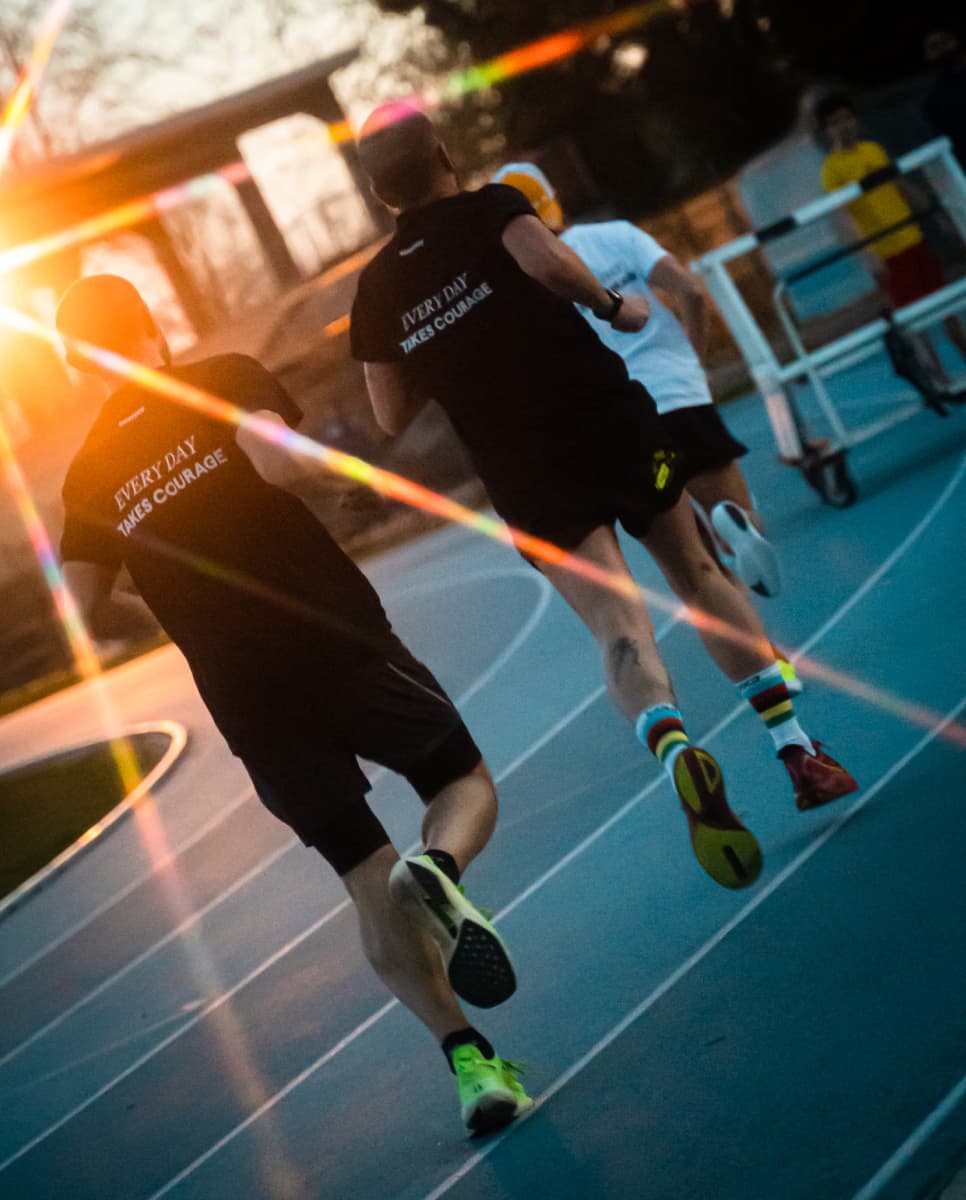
(823, 463)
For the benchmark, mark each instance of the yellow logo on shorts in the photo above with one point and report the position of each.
(662, 466)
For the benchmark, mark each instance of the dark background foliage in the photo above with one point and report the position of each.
(713, 91)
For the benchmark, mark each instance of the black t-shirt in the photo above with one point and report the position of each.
(528, 385)
(267, 609)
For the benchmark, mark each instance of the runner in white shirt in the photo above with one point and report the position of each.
(665, 358)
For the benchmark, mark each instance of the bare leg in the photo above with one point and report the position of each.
(636, 676)
(956, 332)
(676, 546)
(402, 954)
(724, 483)
(461, 818)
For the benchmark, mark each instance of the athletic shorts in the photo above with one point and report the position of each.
(628, 470)
(702, 438)
(392, 712)
(912, 274)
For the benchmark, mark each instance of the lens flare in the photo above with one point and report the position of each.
(25, 89)
(78, 639)
(249, 1082)
(122, 217)
(531, 57)
(312, 454)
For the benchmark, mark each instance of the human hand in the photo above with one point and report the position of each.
(632, 315)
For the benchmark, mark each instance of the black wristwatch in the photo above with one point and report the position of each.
(608, 314)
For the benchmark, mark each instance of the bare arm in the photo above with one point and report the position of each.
(668, 274)
(544, 257)
(106, 614)
(287, 467)
(392, 405)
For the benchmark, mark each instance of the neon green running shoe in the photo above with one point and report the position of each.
(490, 1094)
(476, 958)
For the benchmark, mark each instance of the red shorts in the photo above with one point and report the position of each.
(913, 273)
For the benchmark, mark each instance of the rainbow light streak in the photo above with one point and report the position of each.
(396, 487)
(531, 57)
(25, 89)
(122, 217)
(250, 1084)
(549, 50)
(78, 639)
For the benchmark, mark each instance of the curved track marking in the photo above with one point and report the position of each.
(268, 963)
(898, 553)
(270, 859)
(179, 739)
(846, 607)
(521, 636)
(702, 952)
(243, 797)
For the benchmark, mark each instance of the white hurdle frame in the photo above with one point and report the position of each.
(946, 177)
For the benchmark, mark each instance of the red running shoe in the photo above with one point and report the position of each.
(818, 779)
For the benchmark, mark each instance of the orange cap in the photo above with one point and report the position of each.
(530, 180)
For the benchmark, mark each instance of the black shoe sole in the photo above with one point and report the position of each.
(479, 969)
(492, 1117)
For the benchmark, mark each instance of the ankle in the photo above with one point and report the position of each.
(446, 863)
(466, 1037)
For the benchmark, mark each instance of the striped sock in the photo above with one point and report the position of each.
(768, 695)
(661, 729)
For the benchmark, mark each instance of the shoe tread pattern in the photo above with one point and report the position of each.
(479, 970)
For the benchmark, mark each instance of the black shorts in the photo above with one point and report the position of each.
(702, 438)
(628, 469)
(392, 712)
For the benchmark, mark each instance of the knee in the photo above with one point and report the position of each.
(691, 574)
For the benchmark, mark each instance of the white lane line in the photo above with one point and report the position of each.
(545, 596)
(245, 795)
(689, 963)
(108, 1048)
(371, 1020)
(85, 843)
(279, 954)
(913, 1143)
(525, 631)
(727, 720)
(198, 915)
(839, 613)
(899, 552)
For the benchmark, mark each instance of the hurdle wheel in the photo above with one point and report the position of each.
(829, 475)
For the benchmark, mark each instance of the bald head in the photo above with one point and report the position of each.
(108, 311)
(403, 156)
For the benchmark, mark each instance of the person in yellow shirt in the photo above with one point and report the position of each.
(904, 264)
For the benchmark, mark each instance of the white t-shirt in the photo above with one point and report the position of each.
(661, 356)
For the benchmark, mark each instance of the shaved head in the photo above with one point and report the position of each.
(107, 311)
(402, 154)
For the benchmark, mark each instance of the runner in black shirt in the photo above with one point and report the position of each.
(472, 303)
(293, 656)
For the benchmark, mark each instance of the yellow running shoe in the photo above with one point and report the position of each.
(722, 845)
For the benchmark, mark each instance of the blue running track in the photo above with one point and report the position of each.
(185, 1012)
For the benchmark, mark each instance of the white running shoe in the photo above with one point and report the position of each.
(755, 561)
